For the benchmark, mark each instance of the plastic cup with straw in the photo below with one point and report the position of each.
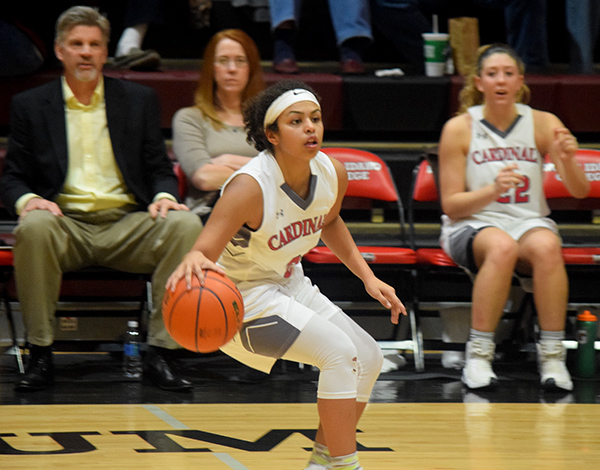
(436, 50)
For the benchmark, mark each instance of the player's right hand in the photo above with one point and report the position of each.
(508, 178)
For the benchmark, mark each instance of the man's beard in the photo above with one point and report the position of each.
(87, 75)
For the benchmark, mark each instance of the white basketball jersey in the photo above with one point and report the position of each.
(492, 149)
(291, 226)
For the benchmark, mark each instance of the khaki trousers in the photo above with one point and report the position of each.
(46, 246)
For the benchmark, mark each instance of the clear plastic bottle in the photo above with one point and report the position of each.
(132, 361)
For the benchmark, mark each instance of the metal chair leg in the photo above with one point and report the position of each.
(417, 339)
(13, 333)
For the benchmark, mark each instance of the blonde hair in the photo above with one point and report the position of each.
(204, 97)
(81, 16)
(470, 95)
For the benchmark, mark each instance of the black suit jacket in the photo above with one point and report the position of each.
(37, 155)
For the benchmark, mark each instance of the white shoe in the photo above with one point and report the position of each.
(453, 360)
(478, 372)
(392, 362)
(551, 363)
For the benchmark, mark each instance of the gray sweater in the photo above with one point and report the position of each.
(196, 142)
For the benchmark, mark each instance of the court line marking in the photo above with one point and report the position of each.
(229, 461)
(166, 417)
(176, 424)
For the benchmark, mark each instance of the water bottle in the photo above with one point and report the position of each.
(132, 361)
(586, 336)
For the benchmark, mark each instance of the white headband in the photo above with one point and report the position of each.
(284, 101)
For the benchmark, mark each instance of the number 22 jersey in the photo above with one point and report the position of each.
(491, 150)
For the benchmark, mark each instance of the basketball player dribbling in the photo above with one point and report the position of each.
(495, 212)
(271, 212)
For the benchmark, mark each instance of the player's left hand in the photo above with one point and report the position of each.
(564, 143)
(386, 295)
(163, 206)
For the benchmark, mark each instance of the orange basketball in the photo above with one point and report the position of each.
(203, 318)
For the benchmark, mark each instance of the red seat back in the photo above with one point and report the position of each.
(555, 188)
(181, 180)
(425, 189)
(368, 175)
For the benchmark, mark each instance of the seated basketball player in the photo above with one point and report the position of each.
(271, 212)
(88, 174)
(495, 222)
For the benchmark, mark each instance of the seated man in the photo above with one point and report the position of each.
(88, 174)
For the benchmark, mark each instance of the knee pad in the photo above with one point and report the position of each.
(339, 371)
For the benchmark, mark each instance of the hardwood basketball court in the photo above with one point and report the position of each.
(275, 436)
(93, 418)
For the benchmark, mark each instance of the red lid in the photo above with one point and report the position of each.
(586, 316)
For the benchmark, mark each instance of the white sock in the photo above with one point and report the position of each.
(485, 335)
(130, 38)
(552, 335)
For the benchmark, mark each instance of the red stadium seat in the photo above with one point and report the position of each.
(369, 178)
(582, 260)
(6, 268)
(439, 283)
(369, 182)
(181, 180)
(425, 190)
(556, 192)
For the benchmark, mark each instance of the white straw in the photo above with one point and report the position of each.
(435, 24)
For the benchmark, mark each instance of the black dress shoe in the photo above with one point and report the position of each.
(159, 371)
(40, 370)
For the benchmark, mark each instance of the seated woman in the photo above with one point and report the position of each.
(495, 213)
(209, 139)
